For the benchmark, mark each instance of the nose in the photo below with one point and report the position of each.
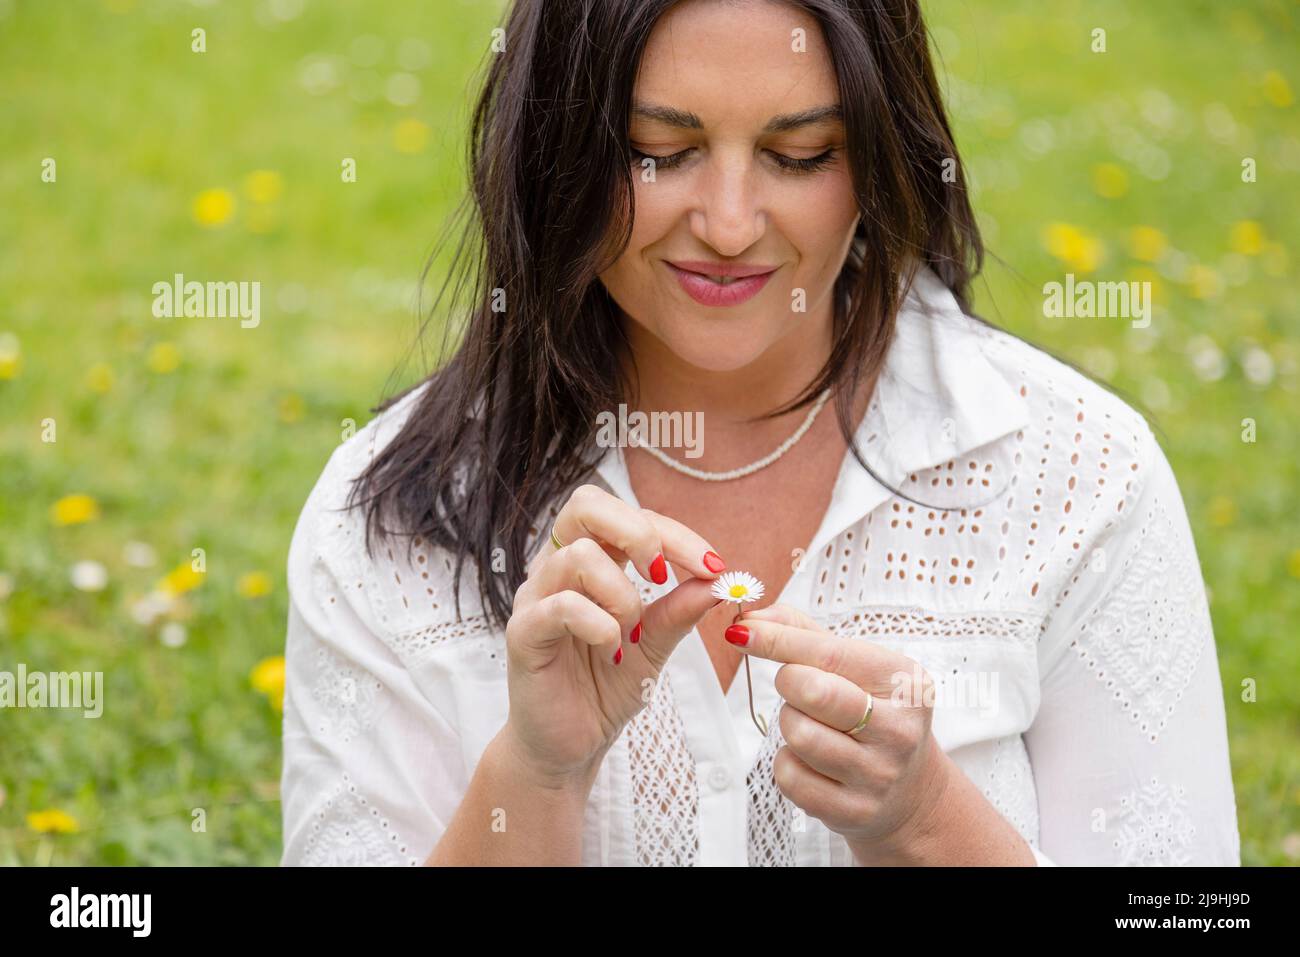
(729, 213)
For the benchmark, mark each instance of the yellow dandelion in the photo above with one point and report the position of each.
(1079, 250)
(1247, 238)
(1276, 89)
(1146, 243)
(1222, 511)
(164, 358)
(1293, 564)
(410, 136)
(99, 378)
(267, 677)
(52, 821)
(213, 207)
(263, 186)
(1109, 180)
(180, 579)
(74, 510)
(11, 357)
(254, 585)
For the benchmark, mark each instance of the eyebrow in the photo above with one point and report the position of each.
(781, 123)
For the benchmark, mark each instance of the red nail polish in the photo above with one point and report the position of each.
(713, 562)
(737, 635)
(659, 570)
(618, 656)
(636, 633)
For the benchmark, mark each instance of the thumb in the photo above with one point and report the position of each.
(667, 621)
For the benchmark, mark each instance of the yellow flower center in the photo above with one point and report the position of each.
(739, 591)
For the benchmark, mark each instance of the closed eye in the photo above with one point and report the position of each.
(660, 162)
(809, 165)
(789, 163)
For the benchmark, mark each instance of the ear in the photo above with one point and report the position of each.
(786, 616)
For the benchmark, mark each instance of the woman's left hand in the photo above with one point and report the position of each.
(879, 788)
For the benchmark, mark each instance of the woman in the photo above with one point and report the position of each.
(989, 643)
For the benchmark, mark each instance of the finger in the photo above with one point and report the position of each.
(534, 633)
(786, 615)
(829, 699)
(593, 513)
(685, 549)
(819, 795)
(866, 664)
(586, 568)
(639, 535)
(824, 749)
(665, 622)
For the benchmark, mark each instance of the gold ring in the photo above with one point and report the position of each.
(555, 541)
(871, 705)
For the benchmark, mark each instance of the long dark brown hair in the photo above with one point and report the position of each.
(507, 424)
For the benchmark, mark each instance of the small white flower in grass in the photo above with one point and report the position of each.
(739, 587)
(89, 576)
(172, 634)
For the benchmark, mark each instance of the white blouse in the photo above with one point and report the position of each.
(1049, 584)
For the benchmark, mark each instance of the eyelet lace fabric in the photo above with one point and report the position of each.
(350, 832)
(347, 698)
(1033, 556)
(1156, 827)
(665, 793)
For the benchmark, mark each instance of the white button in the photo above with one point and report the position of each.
(719, 777)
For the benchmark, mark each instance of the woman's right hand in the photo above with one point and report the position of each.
(583, 655)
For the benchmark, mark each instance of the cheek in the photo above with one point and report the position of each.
(658, 208)
(631, 279)
(819, 223)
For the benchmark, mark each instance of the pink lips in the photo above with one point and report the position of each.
(692, 276)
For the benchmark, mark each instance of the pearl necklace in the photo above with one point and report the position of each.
(744, 470)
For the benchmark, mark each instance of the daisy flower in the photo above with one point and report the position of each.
(742, 587)
(739, 587)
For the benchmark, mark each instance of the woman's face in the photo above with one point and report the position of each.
(714, 84)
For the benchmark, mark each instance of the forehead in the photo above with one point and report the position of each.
(737, 62)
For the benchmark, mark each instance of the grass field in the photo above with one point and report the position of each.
(171, 435)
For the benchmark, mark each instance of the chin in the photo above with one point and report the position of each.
(702, 344)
